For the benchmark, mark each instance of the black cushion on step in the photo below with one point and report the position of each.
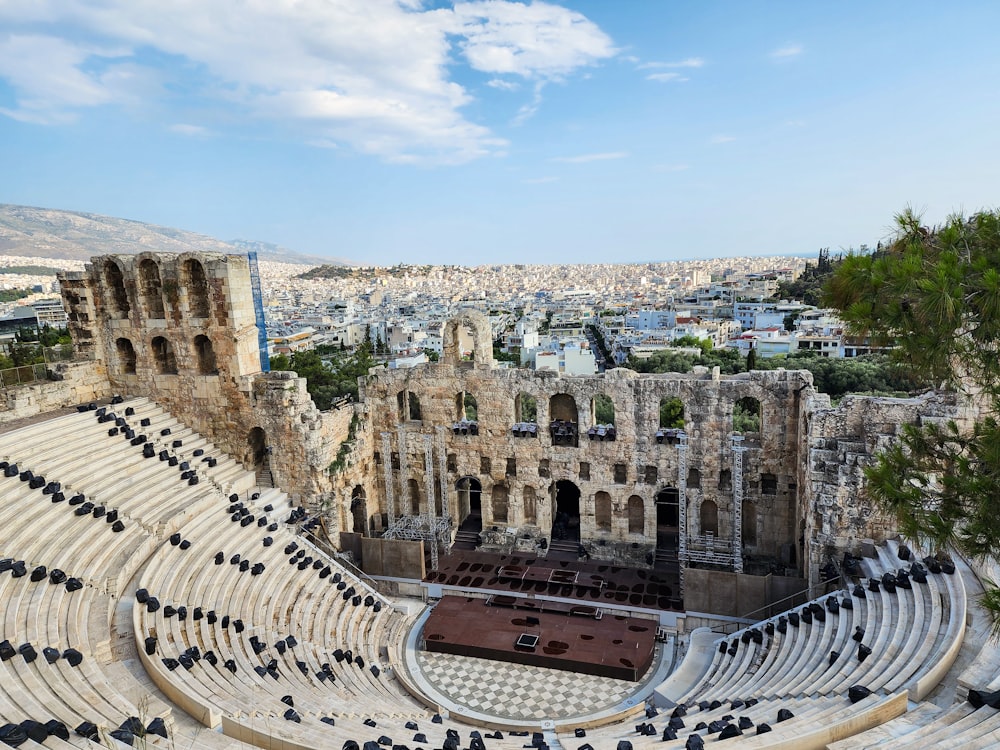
(56, 728)
(784, 715)
(157, 727)
(857, 693)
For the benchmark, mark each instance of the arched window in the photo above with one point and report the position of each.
(564, 424)
(466, 407)
(602, 511)
(747, 415)
(414, 491)
(206, 355)
(163, 355)
(562, 406)
(709, 517)
(407, 406)
(525, 408)
(126, 356)
(636, 515)
(528, 496)
(671, 413)
(151, 288)
(197, 288)
(603, 410)
(116, 286)
(500, 503)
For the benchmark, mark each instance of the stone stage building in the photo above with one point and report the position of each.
(745, 510)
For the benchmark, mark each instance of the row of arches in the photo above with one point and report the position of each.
(747, 412)
(165, 357)
(150, 289)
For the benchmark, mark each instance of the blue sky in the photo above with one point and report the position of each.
(388, 131)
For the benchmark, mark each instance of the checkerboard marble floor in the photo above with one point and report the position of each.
(523, 693)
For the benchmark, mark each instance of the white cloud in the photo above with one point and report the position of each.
(690, 62)
(371, 74)
(722, 139)
(586, 158)
(500, 83)
(183, 128)
(789, 50)
(666, 77)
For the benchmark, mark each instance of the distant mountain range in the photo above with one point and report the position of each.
(73, 235)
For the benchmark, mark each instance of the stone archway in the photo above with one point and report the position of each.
(256, 448)
(565, 511)
(470, 504)
(482, 339)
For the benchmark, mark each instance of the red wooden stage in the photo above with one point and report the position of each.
(526, 631)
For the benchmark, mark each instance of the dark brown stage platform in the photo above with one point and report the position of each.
(594, 582)
(559, 637)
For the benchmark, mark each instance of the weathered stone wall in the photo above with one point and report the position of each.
(516, 469)
(838, 514)
(73, 383)
(180, 329)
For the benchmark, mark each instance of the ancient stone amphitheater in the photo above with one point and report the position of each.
(175, 525)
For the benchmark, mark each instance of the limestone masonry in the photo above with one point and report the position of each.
(508, 451)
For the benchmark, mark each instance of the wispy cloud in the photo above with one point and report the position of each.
(716, 139)
(500, 83)
(183, 128)
(786, 52)
(689, 62)
(667, 77)
(586, 158)
(373, 75)
(539, 180)
(530, 109)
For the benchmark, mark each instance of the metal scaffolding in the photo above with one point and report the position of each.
(429, 489)
(405, 501)
(390, 499)
(429, 528)
(682, 523)
(443, 476)
(738, 450)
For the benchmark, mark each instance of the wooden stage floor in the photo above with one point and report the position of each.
(612, 646)
(628, 587)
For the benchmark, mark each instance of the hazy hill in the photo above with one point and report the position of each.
(50, 233)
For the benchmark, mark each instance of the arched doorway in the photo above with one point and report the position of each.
(359, 510)
(668, 527)
(470, 507)
(256, 448)
(566, 511)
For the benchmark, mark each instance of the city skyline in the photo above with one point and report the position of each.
(497, 132)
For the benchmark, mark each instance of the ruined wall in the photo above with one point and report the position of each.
(73, 383)
(180, 329)
(632, 470)
(837, 512)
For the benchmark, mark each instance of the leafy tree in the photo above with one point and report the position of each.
(672, 414)
(327, 382)
(604, 409)
(751, 360)
(935, 294)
